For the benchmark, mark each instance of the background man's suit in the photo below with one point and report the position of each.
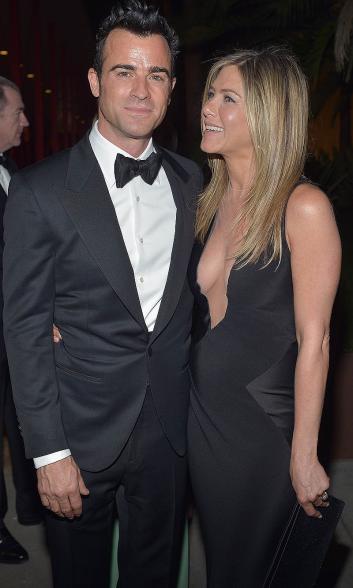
(27, 502)
(66, 257)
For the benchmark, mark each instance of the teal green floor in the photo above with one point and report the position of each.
(183, 572)
(36, 573)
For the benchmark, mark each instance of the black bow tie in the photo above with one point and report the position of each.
(126, 168)
(4, 161)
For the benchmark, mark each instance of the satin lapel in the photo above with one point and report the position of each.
(183, 240)
(89, 205)
(3, 194)
(12, 166)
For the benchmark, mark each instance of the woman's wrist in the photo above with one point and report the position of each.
(306, 451)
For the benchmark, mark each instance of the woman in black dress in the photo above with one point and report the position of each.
(266, 274)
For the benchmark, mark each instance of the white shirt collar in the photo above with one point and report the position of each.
(106, 153)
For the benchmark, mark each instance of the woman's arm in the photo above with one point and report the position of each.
(314, 243)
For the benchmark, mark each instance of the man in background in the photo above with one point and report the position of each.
(12, 122)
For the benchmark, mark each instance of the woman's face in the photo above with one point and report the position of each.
(224, 126)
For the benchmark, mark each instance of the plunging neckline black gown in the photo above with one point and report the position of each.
(241, 421)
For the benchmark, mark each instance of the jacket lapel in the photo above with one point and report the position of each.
(89, 205)
(182, 189)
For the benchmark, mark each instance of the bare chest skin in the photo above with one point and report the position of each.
(216, 263)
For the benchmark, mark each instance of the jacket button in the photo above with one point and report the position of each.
(149, 352)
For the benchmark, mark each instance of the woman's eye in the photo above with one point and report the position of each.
(228, 99)
(210, 94)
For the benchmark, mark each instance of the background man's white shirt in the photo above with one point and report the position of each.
(4, 178)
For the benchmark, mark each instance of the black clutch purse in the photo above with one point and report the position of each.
(303, 546)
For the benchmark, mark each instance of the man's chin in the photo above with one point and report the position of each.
(140, 131)
(139, 135)
(142, 128)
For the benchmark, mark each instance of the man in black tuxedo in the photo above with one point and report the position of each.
(98, 240)
(12, 122)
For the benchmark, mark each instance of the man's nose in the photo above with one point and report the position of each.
(24, 120)
(140, 88)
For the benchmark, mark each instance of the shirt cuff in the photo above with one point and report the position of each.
(44, 460)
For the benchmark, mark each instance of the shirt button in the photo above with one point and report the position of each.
(141, 279)
(137, 198)
(141, 240)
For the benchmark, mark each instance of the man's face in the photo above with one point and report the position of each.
(135, 87)
(12, 120)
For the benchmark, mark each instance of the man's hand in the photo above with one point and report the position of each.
(60, 486)
(56, 334)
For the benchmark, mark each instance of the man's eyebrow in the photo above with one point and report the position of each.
(153, 69)
(123, 66)
(157, 69)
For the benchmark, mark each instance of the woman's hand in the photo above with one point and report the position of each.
(310, 483)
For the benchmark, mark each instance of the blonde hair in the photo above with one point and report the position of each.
(276, 108)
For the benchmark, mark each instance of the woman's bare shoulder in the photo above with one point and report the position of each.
(308, 201)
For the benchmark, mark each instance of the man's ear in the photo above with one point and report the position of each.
(172, 86)
(93, 82)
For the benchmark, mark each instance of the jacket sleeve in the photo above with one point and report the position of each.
(29, 293)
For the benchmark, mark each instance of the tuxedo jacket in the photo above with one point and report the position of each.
(65, 262)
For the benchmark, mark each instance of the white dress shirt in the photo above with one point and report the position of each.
(146, 215)
(4, 178)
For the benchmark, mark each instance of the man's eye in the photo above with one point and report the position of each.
(123, 74)
(157, 77)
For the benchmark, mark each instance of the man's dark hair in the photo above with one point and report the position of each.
(5, 83)
(139, 18)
